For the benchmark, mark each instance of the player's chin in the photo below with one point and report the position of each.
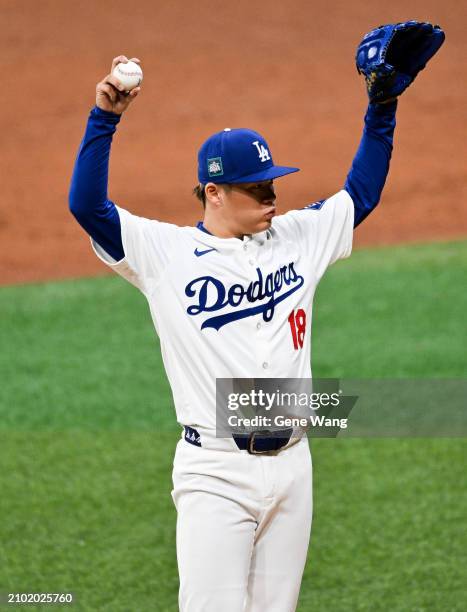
(261, 226)
(265, 222)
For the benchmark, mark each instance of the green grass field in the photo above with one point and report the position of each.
(87, 435)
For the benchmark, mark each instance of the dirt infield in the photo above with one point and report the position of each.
(283, 68)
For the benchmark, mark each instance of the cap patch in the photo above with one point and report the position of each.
(215, 166)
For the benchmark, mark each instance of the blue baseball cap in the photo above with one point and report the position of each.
(237, 156)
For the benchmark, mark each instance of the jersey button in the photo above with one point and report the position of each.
(258, 325)
(251, 262)
(265, 365)
(245, 246)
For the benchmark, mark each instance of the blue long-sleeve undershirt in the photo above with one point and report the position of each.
(99, 217)
(370, 165)
(88, 191)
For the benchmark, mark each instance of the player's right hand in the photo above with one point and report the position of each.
(110, 95)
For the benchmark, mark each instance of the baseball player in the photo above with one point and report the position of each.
(232, 298)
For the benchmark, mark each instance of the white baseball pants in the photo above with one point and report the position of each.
(243, 527)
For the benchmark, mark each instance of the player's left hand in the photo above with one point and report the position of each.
(391, 56)
(110, 93)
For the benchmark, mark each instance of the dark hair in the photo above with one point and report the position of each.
(198, 191)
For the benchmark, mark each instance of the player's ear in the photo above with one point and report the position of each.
(212, 194)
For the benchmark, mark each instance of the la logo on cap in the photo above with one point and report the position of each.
(262, 151)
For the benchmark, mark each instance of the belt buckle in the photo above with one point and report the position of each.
(251, 441)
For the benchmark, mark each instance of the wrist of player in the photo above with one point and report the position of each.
(387, 101)
(105, 117)
(109, 98)
(380, 108)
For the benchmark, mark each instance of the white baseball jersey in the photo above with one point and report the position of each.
(229, 307)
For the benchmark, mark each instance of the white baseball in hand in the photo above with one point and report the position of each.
(129, 74)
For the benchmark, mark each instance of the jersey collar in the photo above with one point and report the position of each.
(260, 237)
(201, 227)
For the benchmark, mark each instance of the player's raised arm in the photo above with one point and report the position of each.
(88, 191)
(370, 165)
(390, 57)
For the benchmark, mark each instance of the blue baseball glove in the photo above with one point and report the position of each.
(391, 56)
